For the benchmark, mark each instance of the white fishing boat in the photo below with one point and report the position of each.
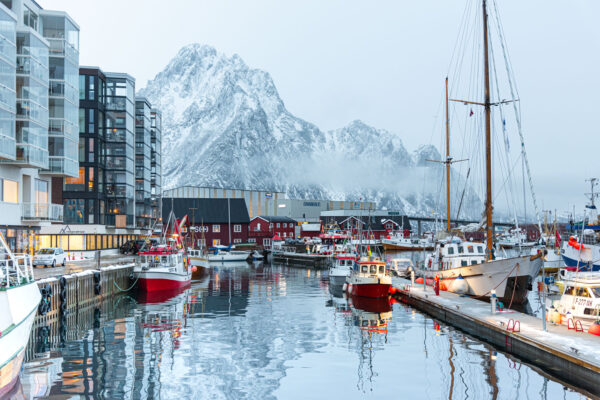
(19, 300)
(511, 278)
(582, 254)
(341, 268)
(514, 238)
(198, 257)
(224, 254)
(257, 256)
(580, 299)
(398, 241)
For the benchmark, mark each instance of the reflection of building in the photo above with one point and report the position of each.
(38, 111)
(212, 222)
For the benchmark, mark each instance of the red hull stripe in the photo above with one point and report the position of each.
(371, 290)
(151, 285)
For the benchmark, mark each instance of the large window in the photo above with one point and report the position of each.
(41, 191)
(74, 211)
(10, 191)
(76, 184)
(216, 228)
(237, 228)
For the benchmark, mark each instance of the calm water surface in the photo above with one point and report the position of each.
(265, 332)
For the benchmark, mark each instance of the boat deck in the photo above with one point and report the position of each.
(573, 356)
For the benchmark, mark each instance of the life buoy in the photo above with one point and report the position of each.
(573, 243)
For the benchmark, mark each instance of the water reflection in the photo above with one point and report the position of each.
(268, 331)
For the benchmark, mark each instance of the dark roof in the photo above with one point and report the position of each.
(277, 219)
(374, 222)
(207, 211)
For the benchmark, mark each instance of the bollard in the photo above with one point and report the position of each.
(493, 302)
(436, 285)
(412, 277)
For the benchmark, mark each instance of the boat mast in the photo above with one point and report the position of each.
(448, 161)
(488, 141)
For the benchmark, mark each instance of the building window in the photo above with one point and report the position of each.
(82, 120)
(91, 88)
(90, 210)
(252, 240)
(91, 179)
(90, 149)
(258, 227)
(41, 191)
(271, 225)
(285, 224)
(216, 228)
(91, 121)
(81, 87)
(237, 228)
(278, 224)
(266, 242)
(237, 240)
(216, 242)
(76, 184)
(10, 191)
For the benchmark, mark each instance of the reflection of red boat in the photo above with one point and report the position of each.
(157, 296)
(372, 305)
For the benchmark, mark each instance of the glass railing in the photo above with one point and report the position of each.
(41, 212)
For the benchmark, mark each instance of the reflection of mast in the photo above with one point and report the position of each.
(452, 369)
(492, 378)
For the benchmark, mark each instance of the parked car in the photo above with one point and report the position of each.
(51, 256)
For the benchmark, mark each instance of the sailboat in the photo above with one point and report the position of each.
(19, 299)
(470, 267)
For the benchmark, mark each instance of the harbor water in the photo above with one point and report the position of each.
(262, 331)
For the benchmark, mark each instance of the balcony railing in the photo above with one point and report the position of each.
(42, 212)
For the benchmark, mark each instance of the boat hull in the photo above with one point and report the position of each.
(403, 247)
(151, 281)
(373, 290)
(337, 280)
(511, 278)
(579, 258)
(227, 257)
(18, 306)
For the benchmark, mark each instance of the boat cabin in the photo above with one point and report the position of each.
(160, 257)
(366, 268)
(581, 296)
(460, 254)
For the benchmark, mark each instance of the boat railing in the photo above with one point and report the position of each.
(16, 270)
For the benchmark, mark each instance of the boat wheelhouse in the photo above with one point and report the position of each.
(580, 300)
(163, 267)
(369, 278)
(341, 268)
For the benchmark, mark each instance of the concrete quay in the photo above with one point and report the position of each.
(566, 354)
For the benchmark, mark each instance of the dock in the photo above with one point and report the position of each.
(562, 352)
(306, 260)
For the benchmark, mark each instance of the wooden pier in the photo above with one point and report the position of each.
(306, 260)
(562, 352)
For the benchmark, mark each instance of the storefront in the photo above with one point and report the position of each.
(83, 242)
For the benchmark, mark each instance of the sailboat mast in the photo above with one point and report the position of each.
(447, 161)
(488, 138)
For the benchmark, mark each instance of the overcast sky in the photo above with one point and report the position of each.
(379, 61)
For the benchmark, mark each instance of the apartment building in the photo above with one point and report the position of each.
(38, 54)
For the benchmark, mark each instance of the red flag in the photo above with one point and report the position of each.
(558, 240)
(471, 113)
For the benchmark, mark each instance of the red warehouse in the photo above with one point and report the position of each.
(262, 229)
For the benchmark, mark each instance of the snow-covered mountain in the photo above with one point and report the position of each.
(225, 125)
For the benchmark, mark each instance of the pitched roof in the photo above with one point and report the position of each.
(277, 219)
(207, 211)
(376, 223)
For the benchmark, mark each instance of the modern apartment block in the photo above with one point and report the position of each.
(156, 163)
(143, 201)
(31, 72)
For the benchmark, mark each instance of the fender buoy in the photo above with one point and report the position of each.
(194, 269)
(419, 280)
(594, 329)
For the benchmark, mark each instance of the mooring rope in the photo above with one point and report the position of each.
(126, 290)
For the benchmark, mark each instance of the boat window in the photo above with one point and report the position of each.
(570, 291)
(473, 262)
(470, 249)
(595, 291)
(480, 249)
(365, 268)
(163, 259)
(382, 269)
(592, 311)
(142, 259)
(464, 263)
(582, 292)
(450, 250)
(460, 249)
(373, 269)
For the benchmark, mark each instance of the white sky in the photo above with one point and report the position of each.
(379, 61)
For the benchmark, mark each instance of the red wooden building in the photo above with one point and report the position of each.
(211, 222)
(373, 227)
(262, 229)
(310, 230)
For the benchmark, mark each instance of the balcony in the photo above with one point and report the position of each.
(41, 212)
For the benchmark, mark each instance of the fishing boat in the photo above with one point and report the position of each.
(227, 253)
(398, 241)
(582, 255)
(369, 278)
(165, 266)
(400, 266)
(514, 238)
(465, 266)
(198, 257)
(19, 301)
(580, 299)
(341, 268)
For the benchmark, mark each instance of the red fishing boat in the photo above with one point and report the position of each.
(369, 278)
(165, 266)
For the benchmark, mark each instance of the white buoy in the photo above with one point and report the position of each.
(459, 285)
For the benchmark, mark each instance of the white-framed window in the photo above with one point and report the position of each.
(237, 240)
(10, 191)
(258, 226)
(278, 225)
(237, 228)
(216, 242)
(285, 224)
(271, 225)
(252, 240)
(201, 242)
(284, 234)
(266, 242)
(216, 228)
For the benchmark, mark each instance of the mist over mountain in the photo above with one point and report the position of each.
(225, 125)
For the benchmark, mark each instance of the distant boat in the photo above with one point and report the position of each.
(514, 238)
(341, 268)
(223, 253)
(19, 300)
(397, 241)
